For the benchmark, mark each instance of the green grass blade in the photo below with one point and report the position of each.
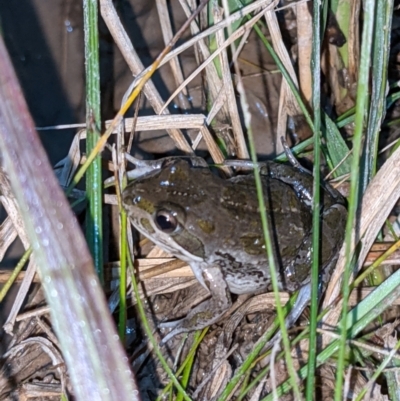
(25, 257)
(268, 243)
(94, 221)
(361, 111)
(336, 148)
(123, 275)
(380, 57)
(316, 102)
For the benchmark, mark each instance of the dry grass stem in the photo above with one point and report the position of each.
(66, 168)
(233, 112)
(215, 151)
(213, 80)
(288, 105)
(150, 123)
(124, 44)
(266, 4)
(362, 345)
(282, 52)
(9, 203)
(20, 298)
(354, 41)
(7, 234)
(166, 29)
(304, 41)
(239, 32)
(190, 121)
(33, 313)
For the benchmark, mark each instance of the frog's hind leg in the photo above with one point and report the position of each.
(208, 312)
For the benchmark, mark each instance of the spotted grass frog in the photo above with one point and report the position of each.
(214, 225)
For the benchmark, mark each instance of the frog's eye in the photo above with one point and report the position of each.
(166, 221)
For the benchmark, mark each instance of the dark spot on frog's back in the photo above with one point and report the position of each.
(145, 205)
(238, 202)
(252, 244)
(183, 172)
(179, 173)
(206, 226)
(233, 196)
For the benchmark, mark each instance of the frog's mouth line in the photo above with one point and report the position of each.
(175, 250)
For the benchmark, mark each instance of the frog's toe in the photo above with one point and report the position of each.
(171, 334)
(175, 325)
(169, 325)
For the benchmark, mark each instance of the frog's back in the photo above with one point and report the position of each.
(239, 244)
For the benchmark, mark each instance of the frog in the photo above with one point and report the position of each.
(213, 223)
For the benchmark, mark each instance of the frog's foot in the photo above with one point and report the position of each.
(208, 312)
(205, 314)
(300, 304)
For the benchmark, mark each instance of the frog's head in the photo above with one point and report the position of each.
(160, 206)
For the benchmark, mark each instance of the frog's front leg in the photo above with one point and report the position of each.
(302, 183)
(208, 312)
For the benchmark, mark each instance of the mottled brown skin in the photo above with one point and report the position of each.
(214, 225)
